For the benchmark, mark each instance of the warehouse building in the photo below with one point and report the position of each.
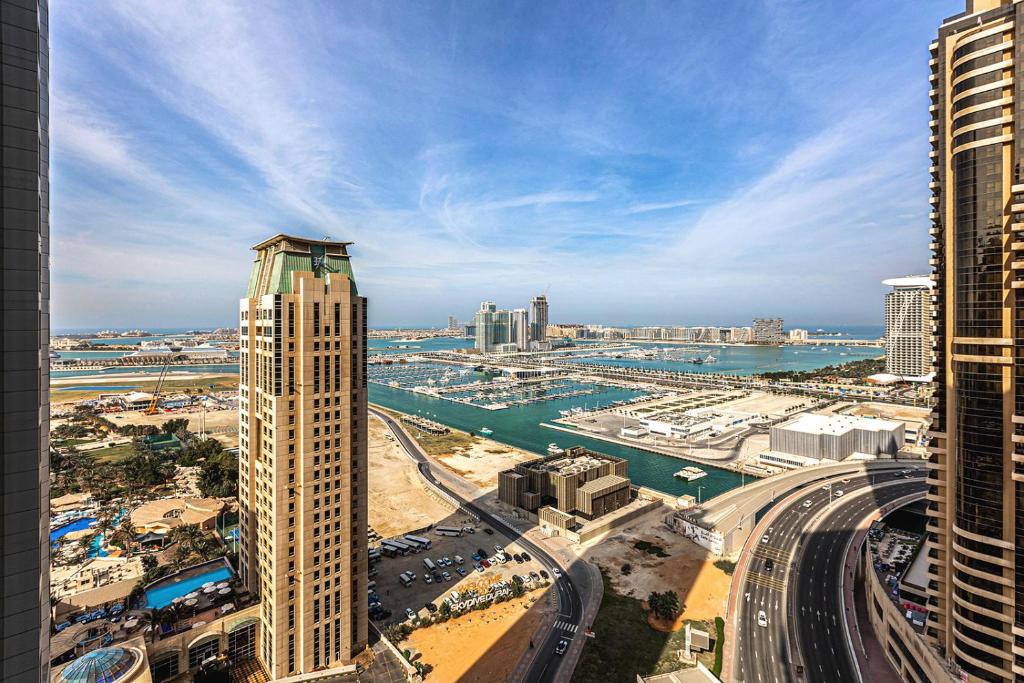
(836, 437)
(577, 482)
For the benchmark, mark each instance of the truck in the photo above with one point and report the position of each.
(448, 531)
(423, 543)
(428, 564)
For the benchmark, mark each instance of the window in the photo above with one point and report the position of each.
(202, 651)
(291, 320)
(316, 320)
(164, 666)
(242, 642)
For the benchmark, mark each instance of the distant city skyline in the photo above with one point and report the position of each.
(677, 163)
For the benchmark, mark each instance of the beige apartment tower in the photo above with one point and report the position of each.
(908, 326)
(302, 454)
(975, 531)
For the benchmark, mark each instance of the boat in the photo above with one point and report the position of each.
(565, 413)
(691, 473)
(553, 449)
(485, 431)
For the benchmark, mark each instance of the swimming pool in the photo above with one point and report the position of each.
(99, 387)
(77, 525)
(162, 595)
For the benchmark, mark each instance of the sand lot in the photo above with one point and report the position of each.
(222, 424)
(489, 643)
(762, 403)
(399, 501)
(481, 462)
(702, 587)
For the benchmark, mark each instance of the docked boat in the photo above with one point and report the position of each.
(565, 413)
(553, 449)
(485, 431)
(691, 473)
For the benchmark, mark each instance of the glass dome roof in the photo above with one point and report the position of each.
(104, 665)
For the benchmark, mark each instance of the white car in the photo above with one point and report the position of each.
(412, 615)
(826, 487)
(764, 539)
(498, 549)
(557, 572)
(762, 619)
(839, 493)
(807, 503)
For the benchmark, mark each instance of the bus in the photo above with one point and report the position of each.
(448, 531)
(428, 564)
(396, 547)
(423, 543)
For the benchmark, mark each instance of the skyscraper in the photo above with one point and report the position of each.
(519, 332)
(25, 361)
(976, 482)
(539, 316)
(908, 326)
(302, 454)
(484, 323)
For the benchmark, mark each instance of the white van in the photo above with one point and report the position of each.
(459, 560)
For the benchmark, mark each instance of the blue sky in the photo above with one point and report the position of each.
(648, 163)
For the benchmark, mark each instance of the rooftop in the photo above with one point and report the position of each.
(910, 281)
(811, 423)
(602, 483)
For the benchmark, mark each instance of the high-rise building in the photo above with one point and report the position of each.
(302, 454)
(975, 530)
(453, 322)
(484, 324)
(519, 332)
(25, 361)
(768, 331)
(539, 318)
(908, 326)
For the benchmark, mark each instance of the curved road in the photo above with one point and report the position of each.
(547, 664)
(800, 594)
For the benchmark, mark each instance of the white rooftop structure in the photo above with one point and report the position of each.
(812, 423)
(837, 437)
(910, 281)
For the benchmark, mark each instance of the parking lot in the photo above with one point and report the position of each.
(396, 597)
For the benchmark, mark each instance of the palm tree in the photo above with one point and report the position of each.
(124, 534)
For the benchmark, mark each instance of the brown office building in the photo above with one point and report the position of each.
(578, 482)
(302, 456)
(976, 483)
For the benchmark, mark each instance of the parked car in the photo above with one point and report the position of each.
(431, 607)
(486, 564)
(469, 529)
(526, 557)
(543, 574)
(476, 557)
(447, 576)
(518, 558)
(488, 530)
(461, 571)
(479, 567)
(498, 549)
(534, 576)
(427, 579)
(557, 572)
(409, 613)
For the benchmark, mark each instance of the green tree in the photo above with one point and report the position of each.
(664, 605)
(175, 425)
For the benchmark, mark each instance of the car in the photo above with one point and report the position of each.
(430, 607)
(476, 557)
(762, 618)
(486, 564)
(534, 576)
(769, 564)
(826, 487)
(526, 557)
(427, 579)
(481, 552)
(543, 574)
(562, 646)
(461, 571)
(764, 539)
(517, 579)
(447, 561)
(498, 549)
(557, 572)
(409, 613)
(479, 567)
(488, 530)
(454, 595)
(447, 576)
(807, 503)
(518, 558)
(839, 493)
(469, 529)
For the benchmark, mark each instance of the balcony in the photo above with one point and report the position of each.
(1019, 187)
(1017, 208)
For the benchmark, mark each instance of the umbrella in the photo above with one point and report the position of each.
(222, 584)
(207, 584)
(209, 589)
(131, 623)
(191, 601)
(224, 591)
(193, 594)
(177, 600)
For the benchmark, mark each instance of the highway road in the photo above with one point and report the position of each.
(800, 594)
(547, 665)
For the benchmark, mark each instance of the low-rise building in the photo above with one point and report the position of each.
(576, 482)
(836, 437)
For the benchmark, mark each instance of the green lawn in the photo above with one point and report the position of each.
(112, 453)
(624, 645)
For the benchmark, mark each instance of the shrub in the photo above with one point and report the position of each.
(719, 644)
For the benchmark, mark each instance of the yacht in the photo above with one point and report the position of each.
(485, 431)
(553, 449)
(691, 473)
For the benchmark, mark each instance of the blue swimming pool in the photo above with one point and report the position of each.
(163, 594)
(77, 525)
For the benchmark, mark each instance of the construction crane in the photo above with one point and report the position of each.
(152, 408)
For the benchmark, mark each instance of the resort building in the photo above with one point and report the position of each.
(164, 514)
(303, 455)
(768, 331)
(908, 327)
(24, 323)
(975, 538)
(835, 437)
(539, 318)
(576, 482)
